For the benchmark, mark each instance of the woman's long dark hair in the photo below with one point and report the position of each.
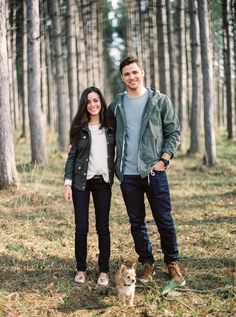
(82, 116)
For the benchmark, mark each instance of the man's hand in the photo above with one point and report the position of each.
(159, 166)
(68, 193)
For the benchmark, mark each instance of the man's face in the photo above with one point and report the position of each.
(132, 76)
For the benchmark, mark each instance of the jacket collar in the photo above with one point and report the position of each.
(153, 97)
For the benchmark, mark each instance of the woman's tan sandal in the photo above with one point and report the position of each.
(103, 279)
(80, 277)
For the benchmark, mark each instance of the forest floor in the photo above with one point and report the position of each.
(37, 263)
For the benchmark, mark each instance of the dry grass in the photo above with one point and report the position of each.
(37, 255)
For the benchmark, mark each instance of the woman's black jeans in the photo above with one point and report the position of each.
(101, 192)
(157, 190)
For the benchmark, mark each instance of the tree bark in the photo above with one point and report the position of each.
(161, 48)
(72, 58)
(8, 172)
(60, 81)
(195, 62)
(182, 74)
(37, 129)
(207, 72)
(25, 113)
(172, 62)
(227, 68)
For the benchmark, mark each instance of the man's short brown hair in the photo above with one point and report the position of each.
(129, 60)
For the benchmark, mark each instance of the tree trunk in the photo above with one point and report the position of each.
(72, 59)
(161, 48)
(182, 74)
(82, 74)
(8, 173)
(227, 68)
(207, 72)
(10, 62)
(195, 61)
(14, 72)
(60, 81)
(37, 129)
(25, 128)
(151, 43)
(172, 62)
(44, 86)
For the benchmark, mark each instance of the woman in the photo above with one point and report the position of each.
(89, 168)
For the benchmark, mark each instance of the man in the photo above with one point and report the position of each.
(147, 136)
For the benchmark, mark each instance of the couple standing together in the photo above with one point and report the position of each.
(142, 125)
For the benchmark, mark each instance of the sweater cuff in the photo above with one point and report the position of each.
(68, 182)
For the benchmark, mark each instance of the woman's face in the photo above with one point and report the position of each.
(94, 104)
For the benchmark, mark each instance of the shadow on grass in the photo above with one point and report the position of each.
(219, 219)
(54, 276)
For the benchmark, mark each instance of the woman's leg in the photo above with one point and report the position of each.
(101, 192)
(81, 206)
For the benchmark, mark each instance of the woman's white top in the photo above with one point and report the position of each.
(97, 164)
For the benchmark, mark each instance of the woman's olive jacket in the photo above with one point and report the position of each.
(76, 166)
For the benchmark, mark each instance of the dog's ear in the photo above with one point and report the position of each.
(134, 265)
(123, 268)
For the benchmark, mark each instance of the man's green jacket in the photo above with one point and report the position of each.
(160, 132)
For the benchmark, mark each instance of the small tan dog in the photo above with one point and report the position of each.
(125, 279)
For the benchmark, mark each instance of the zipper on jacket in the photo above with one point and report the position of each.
(124, 135)
(106, 133)
(123, 153)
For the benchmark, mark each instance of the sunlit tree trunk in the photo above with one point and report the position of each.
(207, 72)
(8, 172)
(37, 128)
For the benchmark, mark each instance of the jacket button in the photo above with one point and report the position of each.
(84, 137)
(79, 167)
(83, 187)
(86, 160)
(84, 173)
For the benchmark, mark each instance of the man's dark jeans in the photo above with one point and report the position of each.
(157, 190)
(101, 192)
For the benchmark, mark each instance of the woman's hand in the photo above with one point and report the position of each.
(68, 193)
